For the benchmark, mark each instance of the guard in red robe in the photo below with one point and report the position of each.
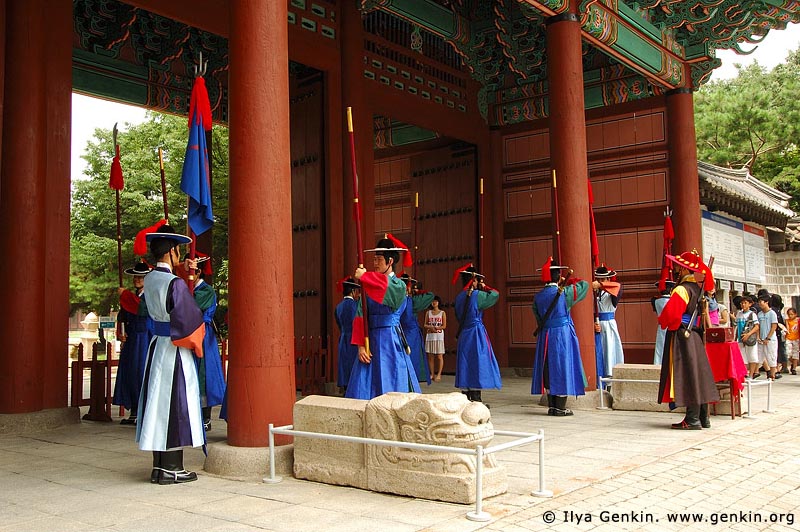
(686, 377)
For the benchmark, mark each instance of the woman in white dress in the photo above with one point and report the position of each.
(435, 324)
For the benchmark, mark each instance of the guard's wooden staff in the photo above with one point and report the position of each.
(556, 219)
(163, 184)
(357, 215)
(416, 232)
(481, 265)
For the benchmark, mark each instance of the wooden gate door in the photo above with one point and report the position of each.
(308, 215)
(446, 228)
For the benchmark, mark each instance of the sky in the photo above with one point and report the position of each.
(91, 113)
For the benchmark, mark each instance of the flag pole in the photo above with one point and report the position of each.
(357, 214)
(163, 183)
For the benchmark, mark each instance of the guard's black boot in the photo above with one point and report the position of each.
(705, 421)
(172, 471)
(155, 473)
(551, 411)
(207, 418)
(691, 421)
(560, 406)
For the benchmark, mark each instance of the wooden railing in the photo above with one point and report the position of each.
(313, 364)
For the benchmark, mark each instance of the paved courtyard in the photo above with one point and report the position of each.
(609, 470)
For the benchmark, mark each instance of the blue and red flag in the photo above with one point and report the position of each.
(195, 179)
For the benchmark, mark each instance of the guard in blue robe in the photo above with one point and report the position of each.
(344, 315)
(135, 337)
(416, 303)
(476, 365)
(209, 367)
(386, 367)
(557, 367)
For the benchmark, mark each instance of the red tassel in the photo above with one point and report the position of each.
(458, 272)
(116, 182)
(140, 243)
(408, 260)
(546, 270)
(708, 282)
(199, 104)
(669, 231)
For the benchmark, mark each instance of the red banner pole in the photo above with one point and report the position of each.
(357, 214)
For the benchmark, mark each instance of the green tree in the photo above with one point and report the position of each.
(93, 254)
(752, 121)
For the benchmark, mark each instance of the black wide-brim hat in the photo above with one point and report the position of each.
(140, 268)
(384, 244)
(168, 233)
(602, 272)
(352, 283)
(407, 278)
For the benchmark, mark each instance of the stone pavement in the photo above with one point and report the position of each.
(601, 465)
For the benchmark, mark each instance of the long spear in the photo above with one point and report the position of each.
(357, 214)
(117, 183)
(557, 221)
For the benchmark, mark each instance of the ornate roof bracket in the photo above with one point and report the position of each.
(603, 87)
(622, 33)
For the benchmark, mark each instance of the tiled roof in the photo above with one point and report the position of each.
(744, 187)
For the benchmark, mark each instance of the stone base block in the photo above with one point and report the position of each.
(329, 461)
(637, 396)
(434, 419)
(246, 463)
(31, 422)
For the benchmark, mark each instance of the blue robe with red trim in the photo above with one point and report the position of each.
(348, 353)
(132, 355)
(209, 367)
(557, 342)
(476, 365)
(390, 369)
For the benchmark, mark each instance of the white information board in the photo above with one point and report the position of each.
(724, 239)
(754, 256)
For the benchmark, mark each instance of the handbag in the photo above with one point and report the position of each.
(751, 340)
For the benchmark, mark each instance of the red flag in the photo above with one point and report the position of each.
(115, 181)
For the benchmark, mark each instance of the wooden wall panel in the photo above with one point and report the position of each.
(628, 167)
(308, 213)
(446, 231)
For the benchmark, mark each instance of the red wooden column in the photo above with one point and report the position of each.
(684, 187)
(55, 310)
(261, 387)
(568, 159)
(22, 208)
